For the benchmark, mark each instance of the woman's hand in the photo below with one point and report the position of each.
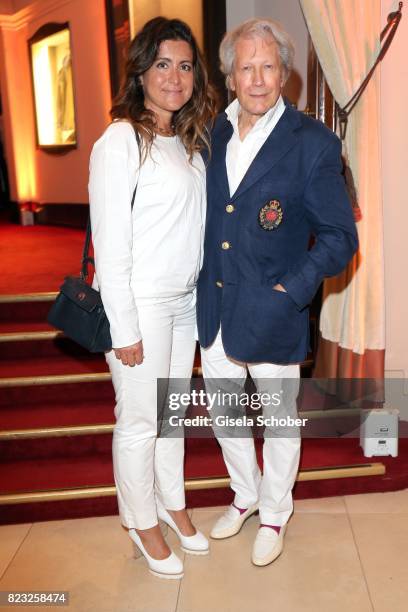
(130, 355)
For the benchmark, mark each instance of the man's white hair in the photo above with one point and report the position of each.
(264, 28)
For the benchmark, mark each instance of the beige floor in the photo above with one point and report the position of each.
(341, 554)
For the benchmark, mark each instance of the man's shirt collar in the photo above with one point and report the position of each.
(263, 124)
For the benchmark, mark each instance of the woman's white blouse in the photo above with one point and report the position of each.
(153, 253)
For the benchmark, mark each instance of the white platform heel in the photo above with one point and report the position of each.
(171, 567)
(196, 544)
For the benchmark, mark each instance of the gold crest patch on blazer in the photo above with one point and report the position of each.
(270, 215)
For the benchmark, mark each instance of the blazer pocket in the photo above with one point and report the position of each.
(272, 317)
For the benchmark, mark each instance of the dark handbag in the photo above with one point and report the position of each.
(78, 309)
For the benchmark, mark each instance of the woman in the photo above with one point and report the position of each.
(147, 260)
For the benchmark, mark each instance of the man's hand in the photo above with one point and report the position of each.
(130, 355)
(279, 287)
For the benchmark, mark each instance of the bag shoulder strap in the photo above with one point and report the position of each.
(85, 252)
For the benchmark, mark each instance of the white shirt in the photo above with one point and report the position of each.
(153, 253)
(241, 153)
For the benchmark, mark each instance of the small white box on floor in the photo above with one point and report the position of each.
(379, 432)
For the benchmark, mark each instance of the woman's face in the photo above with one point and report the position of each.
(168, 84)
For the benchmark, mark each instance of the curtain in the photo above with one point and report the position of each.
(346, 36)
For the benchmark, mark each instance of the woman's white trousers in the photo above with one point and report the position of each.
(145, 465)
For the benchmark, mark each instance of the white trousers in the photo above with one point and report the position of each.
(273, 489)
(145, 465)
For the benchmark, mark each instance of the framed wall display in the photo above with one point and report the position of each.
(51, 70)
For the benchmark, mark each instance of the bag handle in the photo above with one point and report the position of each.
(85, 252)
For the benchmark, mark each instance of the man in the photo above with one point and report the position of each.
(274, 180)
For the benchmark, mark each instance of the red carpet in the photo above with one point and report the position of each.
(87, 462)
(35, 259)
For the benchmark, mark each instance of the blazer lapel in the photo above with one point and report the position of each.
(281, 140)
(218, 168)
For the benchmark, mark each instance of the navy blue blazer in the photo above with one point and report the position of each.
(298, 170)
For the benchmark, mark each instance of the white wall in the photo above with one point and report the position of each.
(394, 147)
(238, 11)
(288, 12)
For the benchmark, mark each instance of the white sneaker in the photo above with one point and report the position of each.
(231, 522)
(268, 545)
(170, 567)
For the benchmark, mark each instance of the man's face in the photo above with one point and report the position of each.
(257, 76)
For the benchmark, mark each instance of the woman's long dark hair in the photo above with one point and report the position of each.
(192, 120)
